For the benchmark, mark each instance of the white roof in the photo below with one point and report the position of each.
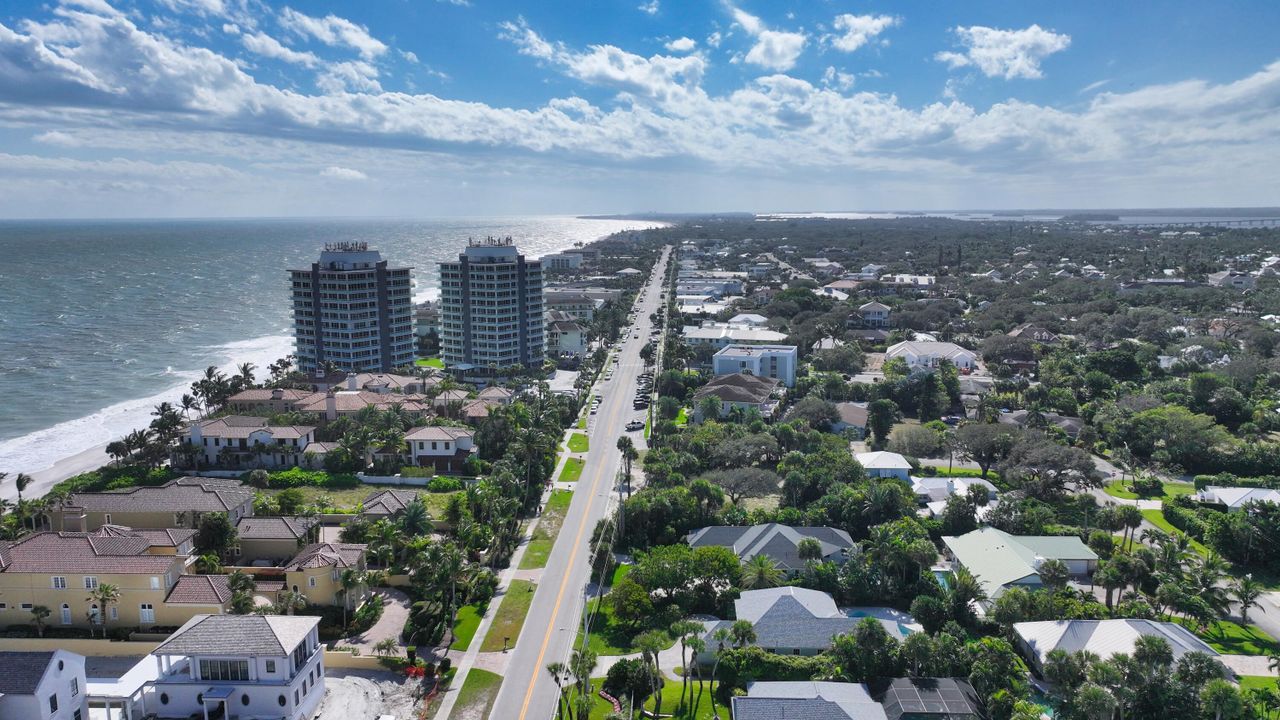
(1236, 497)
(1105, 638)
(881, 460)
(921, 348)
(734, 334)
(749, 319)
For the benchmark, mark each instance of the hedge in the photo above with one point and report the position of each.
(1229, 480)
(741, 666)
(1185, 520)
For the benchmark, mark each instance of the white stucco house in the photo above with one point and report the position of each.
(924, 355)
(882, 464)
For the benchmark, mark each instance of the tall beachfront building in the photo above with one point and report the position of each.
(491, 308)
(354, 310)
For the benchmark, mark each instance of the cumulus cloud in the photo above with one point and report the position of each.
(854, 31)
(659, 77)
(342, 173)
(267, 46)
(333, 31)
(83, 72)
(682, 44)
(650, 7)
(1005, 53)
(773, 49)
(832, 77)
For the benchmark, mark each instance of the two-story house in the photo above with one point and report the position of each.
(178, 503)
(317, 570)
(445, 448)
(47, 685)
(239, 666)
(61, 571)
(874, 315)
(241, 440)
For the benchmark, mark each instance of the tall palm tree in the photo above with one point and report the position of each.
(684, 630)
(650, 644)
(105, 595)
(721, 637)
(760, 572)
(1246, 592)
(742, 633)
(351, 579)
(22, 481)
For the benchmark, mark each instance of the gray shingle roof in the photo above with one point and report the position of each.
(779, 542)
(21, 672)
(387, 502)
(238, 635)
(738, 387)
(807, 701)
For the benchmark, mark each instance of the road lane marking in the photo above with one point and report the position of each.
(564, 584)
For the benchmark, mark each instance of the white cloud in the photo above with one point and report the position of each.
(1093, 86)
(199, 7)
(832, 77)
(231, 28)
(650, 7)
(660, 77)
(354, 76)
(714, 39)
(342, 173)
(334, 31)
(408, 55)
(59, 138)
(1191, 142)
(682, 44)
(267, 46)
(774, 49)
(1005, 53)
(858, 30)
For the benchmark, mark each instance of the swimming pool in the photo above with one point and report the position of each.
(943, 577)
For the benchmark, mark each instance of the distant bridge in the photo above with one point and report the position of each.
(1251, 222)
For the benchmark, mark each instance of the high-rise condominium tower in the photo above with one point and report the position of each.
(353, 310)
(491, 308)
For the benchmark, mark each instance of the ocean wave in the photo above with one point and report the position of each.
(41, 449)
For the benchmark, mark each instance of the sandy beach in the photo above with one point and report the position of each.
(43, 480)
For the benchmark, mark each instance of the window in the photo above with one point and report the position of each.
(75, 687)
(164, 698)
(76, 715)
(66, 614)
(296, 698)
(224, 669)
(53, 703)
(167, 580)
(155, 582)
(244, 699)
(311, 582)
(271, 666)
(115, 613)
(281, 700)
(107, 518)
(58, 582)
(90, 582)
(28, 607)
(4, 606)
(146, 613)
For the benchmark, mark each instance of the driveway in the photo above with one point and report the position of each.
(395, 610)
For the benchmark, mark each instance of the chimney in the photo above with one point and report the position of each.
(277, 394)
(330, 405)
(351, 382)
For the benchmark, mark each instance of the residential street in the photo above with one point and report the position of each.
(552, 624)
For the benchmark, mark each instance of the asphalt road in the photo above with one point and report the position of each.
(527, 691)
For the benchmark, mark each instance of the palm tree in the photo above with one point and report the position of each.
(685, 629)
(289, 601)
(760, 572)
(1246, 591)
(650, 644)
(629, 455)
(720, 636)
(22, 481)
(558, 672)
(245, 371)
(742, 633)
(1094, 702)
(104, 595)
(351, 579)
(209, 564)
(40, 613)
(697, 646)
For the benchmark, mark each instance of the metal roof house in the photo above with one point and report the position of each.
(999, 560)
(1103, 638)
(807, 700)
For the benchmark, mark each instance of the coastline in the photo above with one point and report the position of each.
(52, 454)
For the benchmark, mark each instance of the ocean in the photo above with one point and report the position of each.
(102, 320)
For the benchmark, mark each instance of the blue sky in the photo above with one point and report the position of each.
(437, 107)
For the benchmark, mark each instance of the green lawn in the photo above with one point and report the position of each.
(434, 362)
(478, 693)
(1230, 638)
(544, 535)
(579, 443)
(464, 627)
(509, 618)
(1155, 517)
(572, 470)
(671, 701)
(608, 636)
(1171, 490)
